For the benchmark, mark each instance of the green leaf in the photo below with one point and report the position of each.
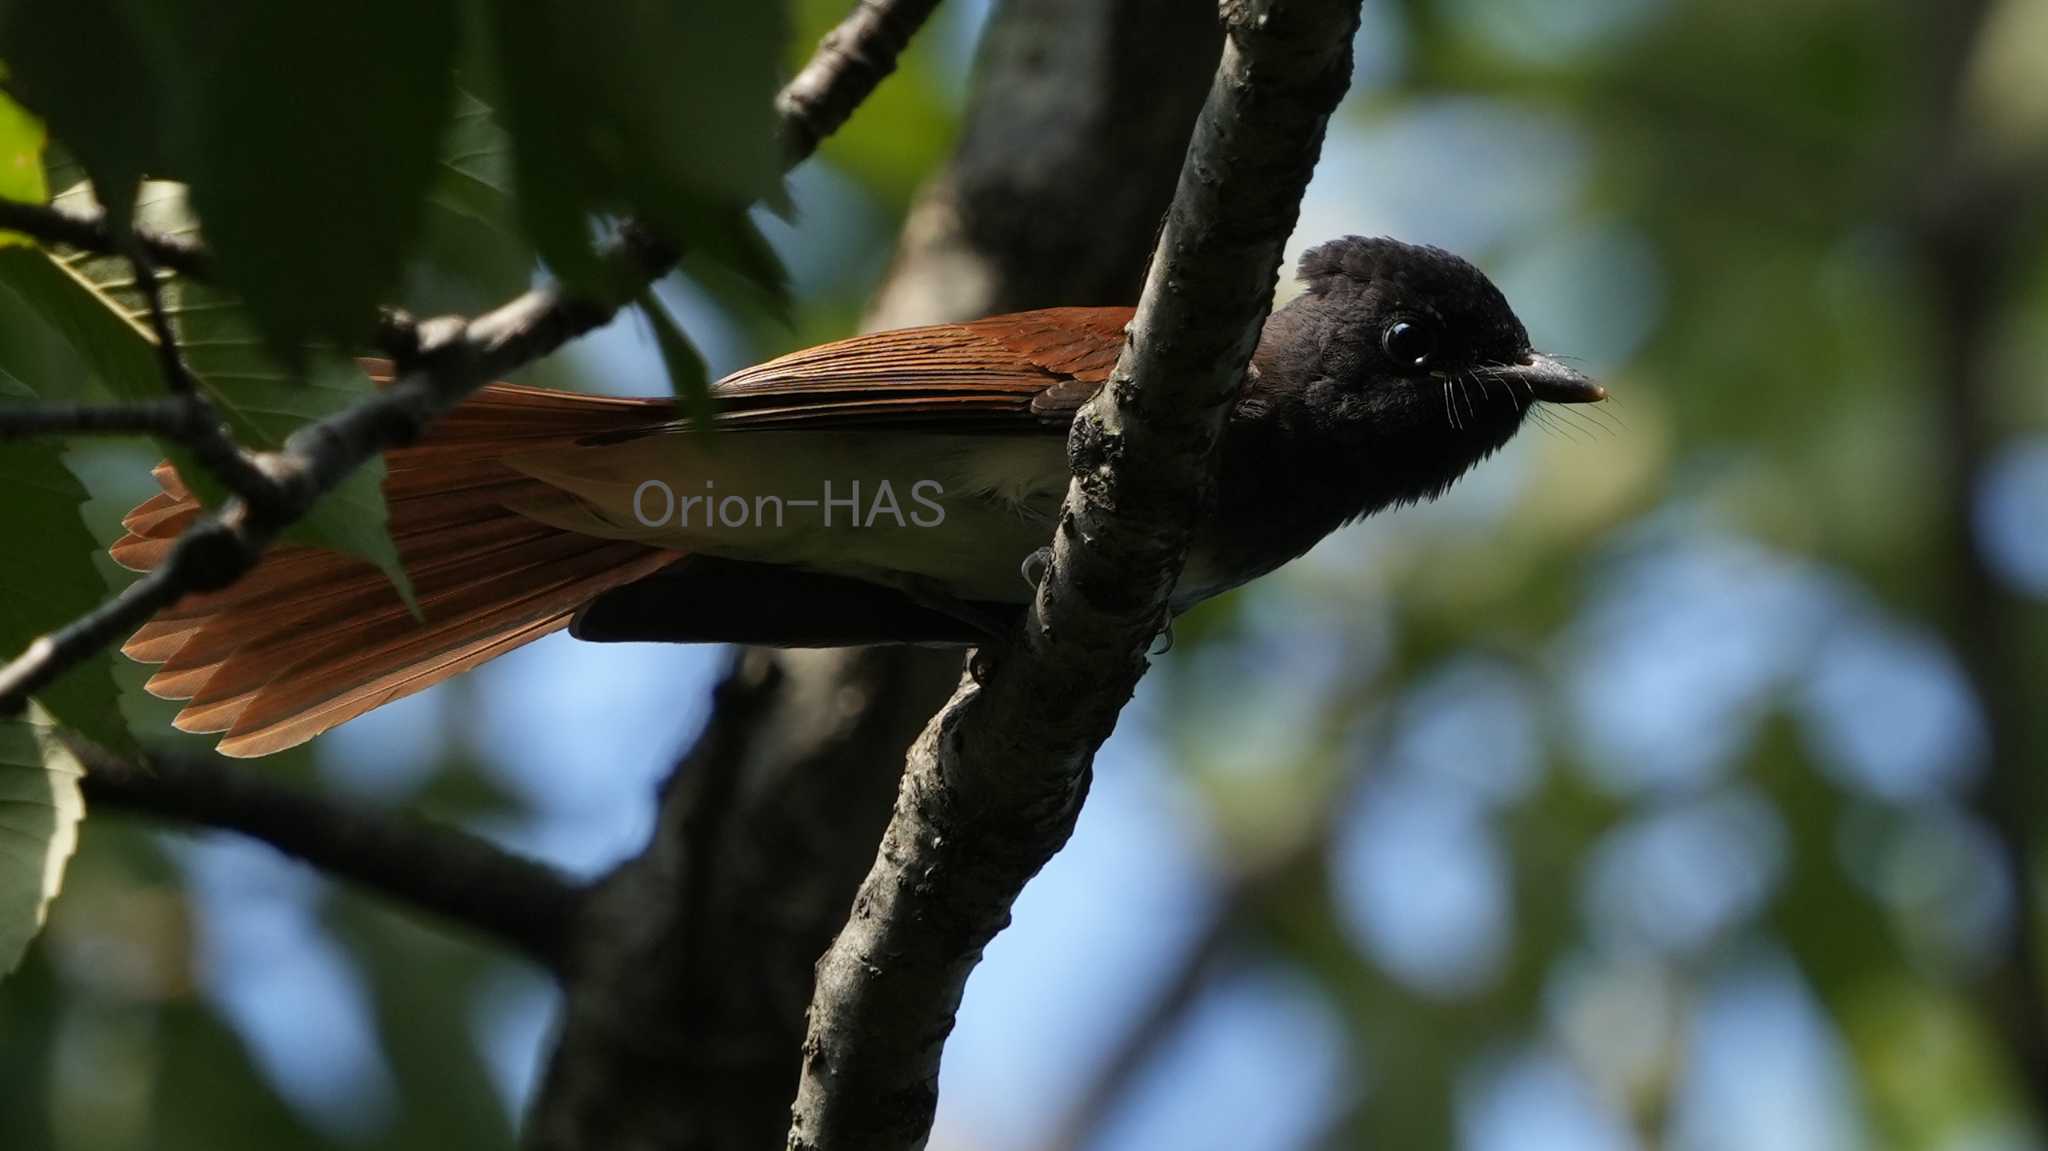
(652, 109)
(49, 576)
(475, 177)
(730, 247)
(40, 808)
(81, 65)
(308, 135)
(92, 305)
(687, 375)
(47, 579)
(21, 161)
(472, 254)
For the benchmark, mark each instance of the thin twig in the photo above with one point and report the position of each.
(419, 863)
(87, 230)
(177, 377)
(995, 783)
(849, 61)
(203, 432)
(169, 418)
(1215, 951)
(1161, 1019)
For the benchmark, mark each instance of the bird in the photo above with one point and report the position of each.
(893, 487)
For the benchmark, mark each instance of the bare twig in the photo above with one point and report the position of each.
(204, 434)
(87, 230)
(1243, 900)
(177, 377)
(188, 418)
(849, 61)
(995, 783)
(433, 867)
(170, 418)
(1157, 1024)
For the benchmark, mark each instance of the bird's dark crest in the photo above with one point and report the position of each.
(1418, 275)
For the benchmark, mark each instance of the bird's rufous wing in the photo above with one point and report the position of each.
(312, 638)
(1023, 372)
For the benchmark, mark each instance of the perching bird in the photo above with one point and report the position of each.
(884, 488)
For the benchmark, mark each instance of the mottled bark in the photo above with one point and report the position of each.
(995, 782)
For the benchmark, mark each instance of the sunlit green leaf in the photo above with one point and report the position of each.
(21, 160)
(39, 812)
(473, 253)
(92, 304)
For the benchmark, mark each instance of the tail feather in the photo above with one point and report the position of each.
(232, 662)
(313, 638)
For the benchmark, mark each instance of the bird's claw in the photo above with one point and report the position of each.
(1036, 565)
(1163, 642)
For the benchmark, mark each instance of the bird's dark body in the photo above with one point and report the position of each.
(525, 510)
(1327, 430)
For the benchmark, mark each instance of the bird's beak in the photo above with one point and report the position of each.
(1551, 381)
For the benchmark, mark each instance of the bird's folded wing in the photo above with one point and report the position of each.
(1006, 373)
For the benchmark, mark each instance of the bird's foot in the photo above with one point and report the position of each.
(1036, 565)
(1163, 642)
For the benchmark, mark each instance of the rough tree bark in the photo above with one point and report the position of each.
(686, 995)
(995, 782)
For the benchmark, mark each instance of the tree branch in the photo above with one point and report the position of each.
(432, 867)
(203, 431)
(1161, 1019)
(87, 231)
(683, 1020)
(684, 999)
(170, 418)
(441, 361)
(995, 782)
(848, 63)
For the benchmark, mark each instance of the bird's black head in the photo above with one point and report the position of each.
(1408, 362)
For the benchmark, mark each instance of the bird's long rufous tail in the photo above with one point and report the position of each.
(312, 638)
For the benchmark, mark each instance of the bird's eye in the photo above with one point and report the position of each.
(1409, 343)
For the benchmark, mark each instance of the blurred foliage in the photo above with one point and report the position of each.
(1685, 678)
(1771, 159)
